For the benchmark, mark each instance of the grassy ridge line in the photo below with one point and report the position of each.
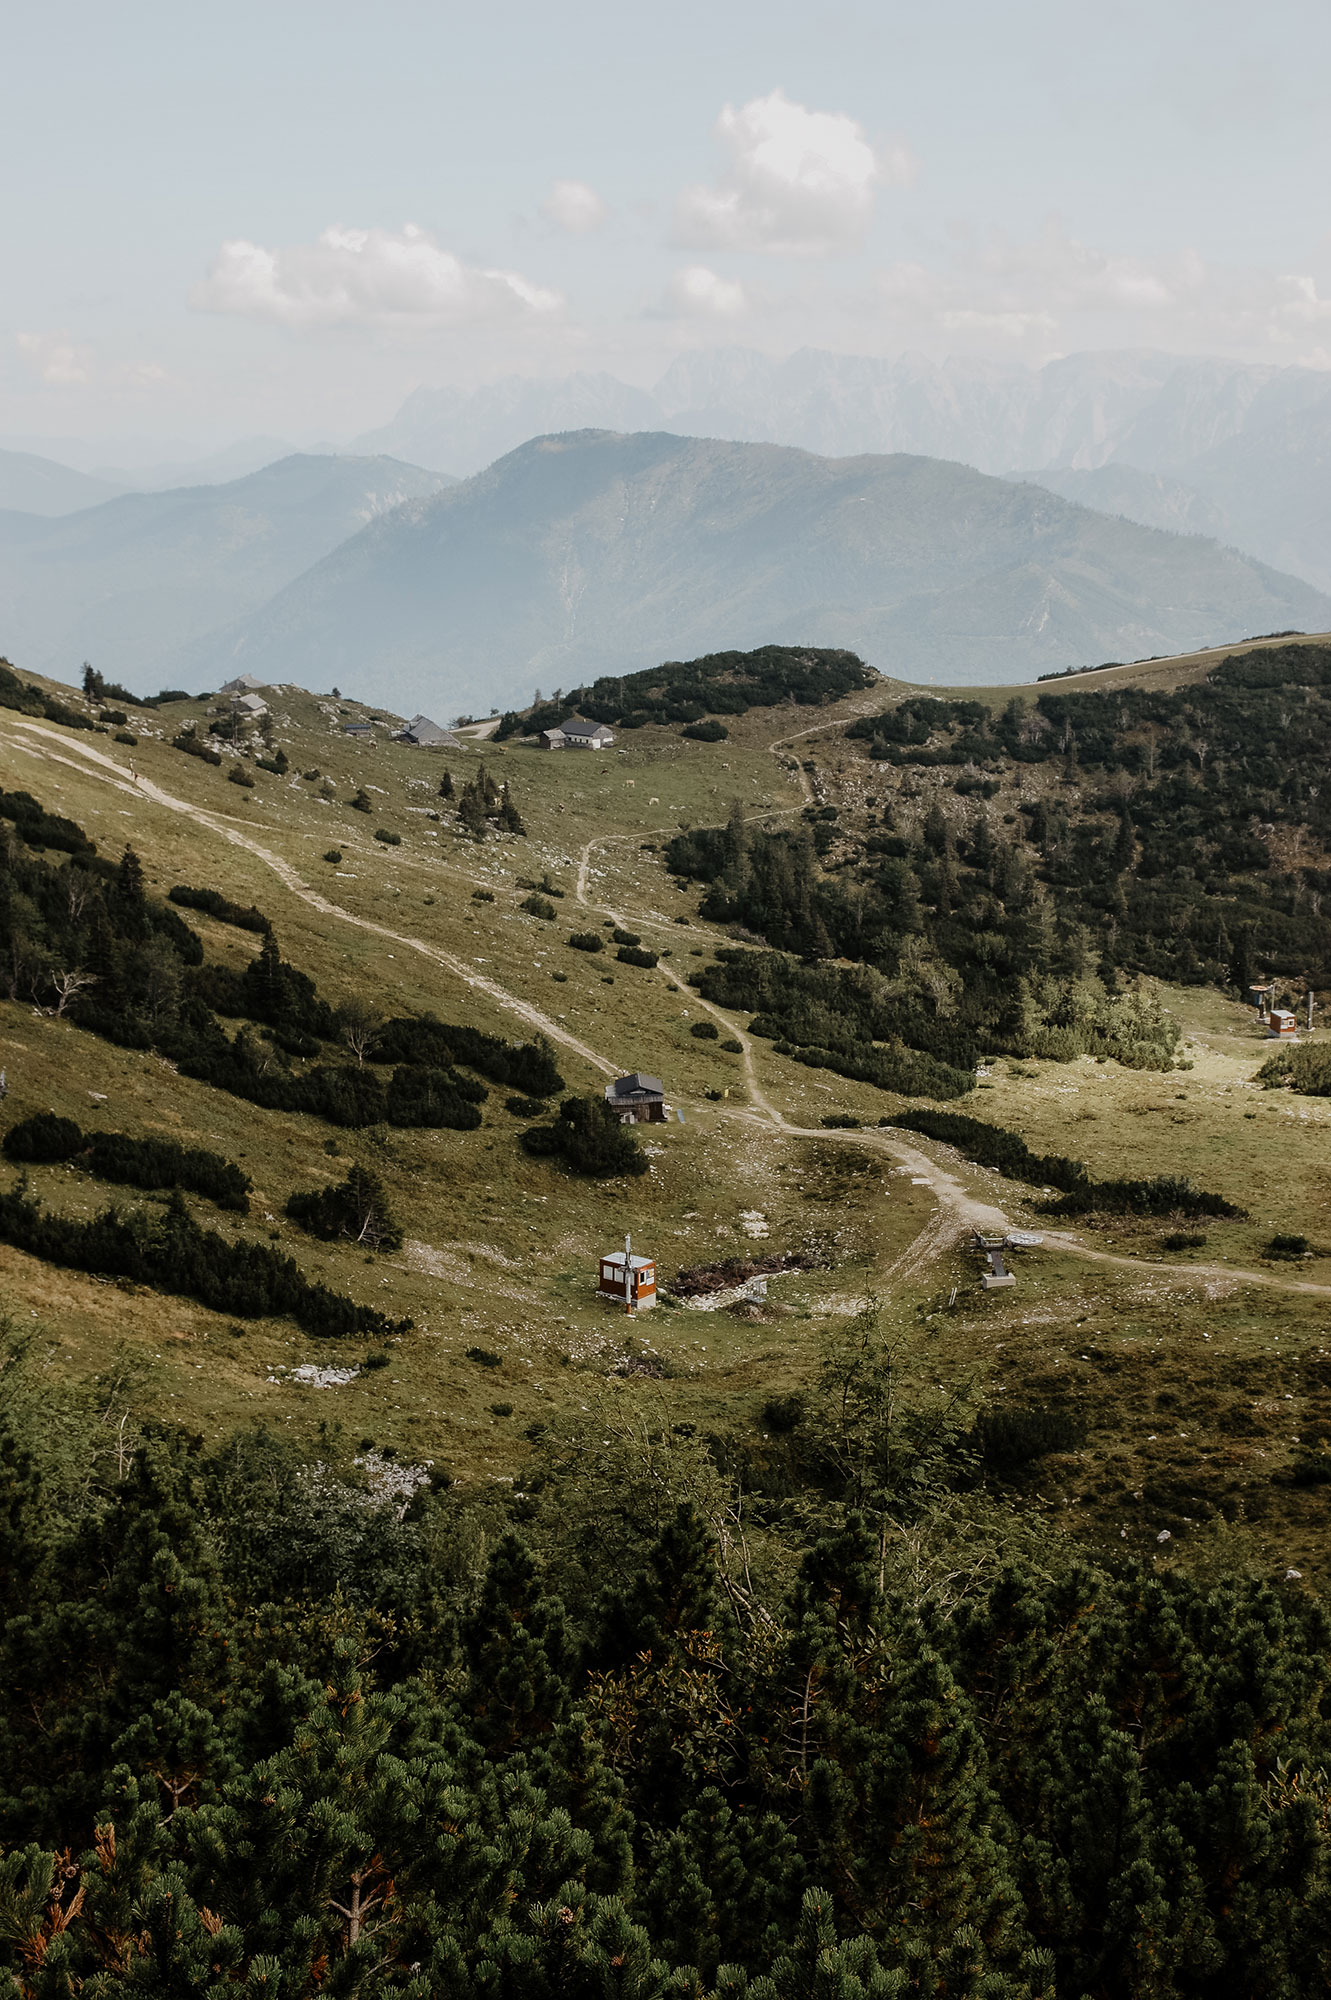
(145, 788)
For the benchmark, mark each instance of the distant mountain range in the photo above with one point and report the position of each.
(1246, 449)
(129, 583)
(598, 552)
(33, 485)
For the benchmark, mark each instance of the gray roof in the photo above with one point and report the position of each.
(578, 725)
(422, 730)
(242, 684)
(636, 1085)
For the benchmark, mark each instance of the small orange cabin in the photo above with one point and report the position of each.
(630, 1279)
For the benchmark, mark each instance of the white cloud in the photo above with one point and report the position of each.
(1048, 292)
(59, 362)
(365, 276)
(696, 292)
(574, 206)
(799, 182)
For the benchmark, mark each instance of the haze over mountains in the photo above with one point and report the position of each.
(128, 584)
(598, 552)
(726, 543)
(1250, 445)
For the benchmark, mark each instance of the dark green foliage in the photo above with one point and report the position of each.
(524, 1107)
(162, 1163)
(43, 1138)
(705, 732)
(537, 906)
(1287, 1246)
(238, 775)
(388, 837)
(1009, 1440)
(482, 803)
(619, 936)
(261, 1732)
(528, 1066)
(840, 1121)
(485, 1357)
(40, 829)
(588, 1139)
(994, 1146)
(279, 763)
(632, 954)
(124, 736)
(215, 904)
(586, 941)
(705, 1031)
(1306, 1069)
(362, 802)
(1183, 886)
(167, 1250)
(334, 856)
(687, 690)
(356, 1208)
(28, 699)
(1165, 1194)
(732, 1047)
(193, 745)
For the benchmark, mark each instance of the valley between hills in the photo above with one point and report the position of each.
(1173, 1378)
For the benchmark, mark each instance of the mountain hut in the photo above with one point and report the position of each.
(637, 1099)
(577, 734)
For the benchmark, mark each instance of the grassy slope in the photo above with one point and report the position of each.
(501, 1251)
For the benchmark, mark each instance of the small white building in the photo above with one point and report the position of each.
(243, 684)
(577, 734)
(251, 705)
(629, 1278)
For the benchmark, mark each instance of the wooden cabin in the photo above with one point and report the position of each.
(637, 1099)
(1282, 1026)
(628, 1278)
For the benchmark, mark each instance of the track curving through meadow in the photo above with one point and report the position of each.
(958, 1209)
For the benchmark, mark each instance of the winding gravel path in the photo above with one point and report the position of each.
(958, 1209)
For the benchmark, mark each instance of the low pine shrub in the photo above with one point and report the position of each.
(42, 1139)
(587, 1138)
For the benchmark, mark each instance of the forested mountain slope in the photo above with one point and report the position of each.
(597, 553)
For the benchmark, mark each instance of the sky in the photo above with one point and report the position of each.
(278, 219)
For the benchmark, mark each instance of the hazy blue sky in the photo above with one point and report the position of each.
(281, 217)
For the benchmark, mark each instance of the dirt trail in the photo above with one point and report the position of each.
(143, 788)
(958, 1209)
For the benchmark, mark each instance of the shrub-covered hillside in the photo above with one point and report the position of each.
(314, 1726)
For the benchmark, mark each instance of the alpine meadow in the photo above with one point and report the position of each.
(389, 1610)
(665, 1002)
